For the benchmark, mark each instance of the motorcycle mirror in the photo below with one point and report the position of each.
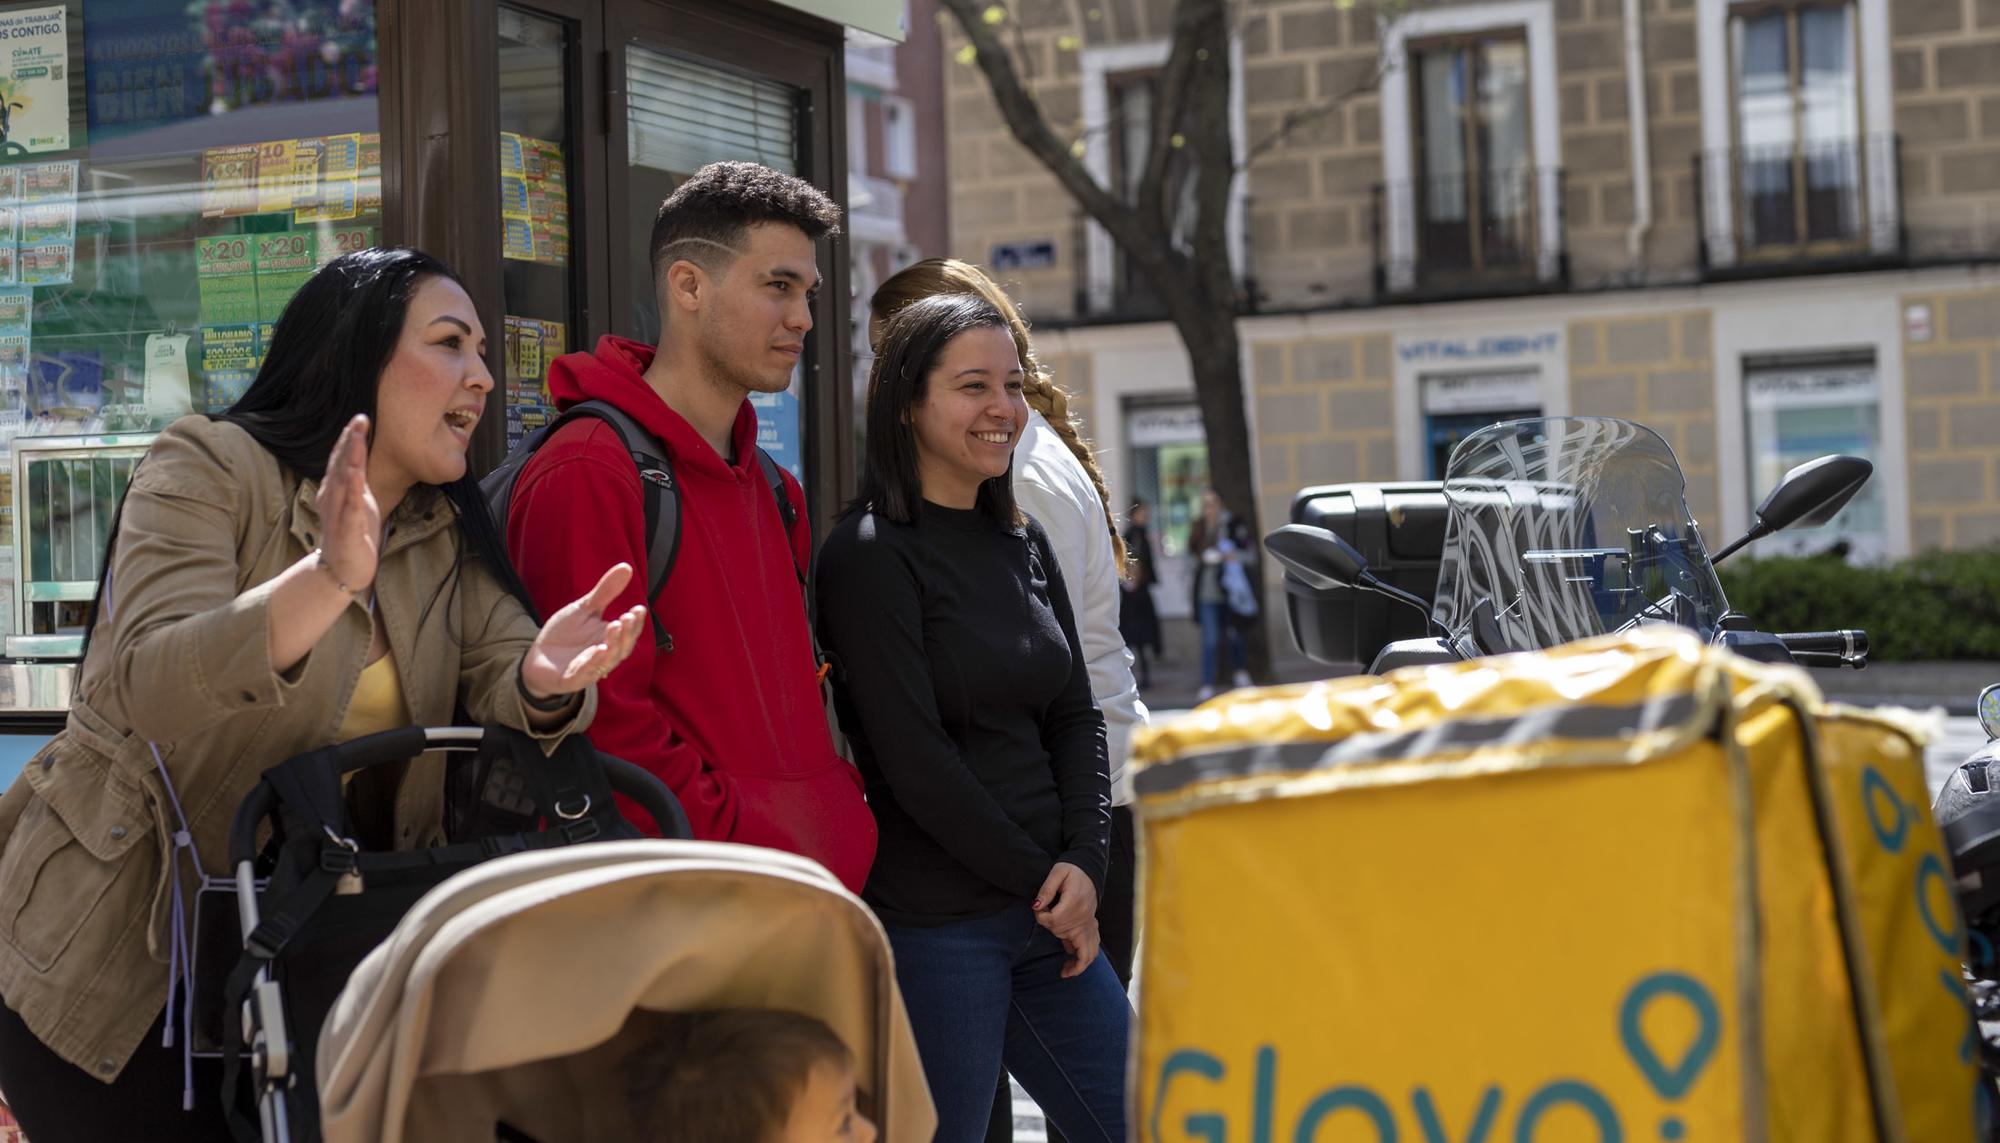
(1814, 492)
(1808, 496)
(1989, 711)
(1317, 556)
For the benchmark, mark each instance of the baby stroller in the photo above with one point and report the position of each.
(504, 1006)
(310, 901)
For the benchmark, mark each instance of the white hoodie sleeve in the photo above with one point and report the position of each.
(1051, 485)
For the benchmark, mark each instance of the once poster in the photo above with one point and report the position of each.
(34, 81)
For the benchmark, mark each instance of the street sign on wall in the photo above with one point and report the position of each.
(1037, 255)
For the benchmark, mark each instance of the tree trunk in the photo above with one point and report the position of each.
(1207, 329)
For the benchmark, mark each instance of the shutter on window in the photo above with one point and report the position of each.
(684, 115)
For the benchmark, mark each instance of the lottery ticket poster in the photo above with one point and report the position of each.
(534, 200)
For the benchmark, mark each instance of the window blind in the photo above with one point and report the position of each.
(683, 114)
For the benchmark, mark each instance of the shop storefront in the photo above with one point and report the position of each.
(171, 172)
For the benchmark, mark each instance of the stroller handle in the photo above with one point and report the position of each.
(407, 742)
(640, 785)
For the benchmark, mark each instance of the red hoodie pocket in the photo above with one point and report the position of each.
(818, 813)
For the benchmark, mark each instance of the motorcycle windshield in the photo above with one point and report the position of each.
(1564, 528)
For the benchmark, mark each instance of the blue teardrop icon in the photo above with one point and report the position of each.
(1670, 1081)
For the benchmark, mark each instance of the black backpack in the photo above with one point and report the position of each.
(658, 489)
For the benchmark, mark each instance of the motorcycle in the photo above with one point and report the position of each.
(1547, 531)
(1970, 817)
(1553, 530)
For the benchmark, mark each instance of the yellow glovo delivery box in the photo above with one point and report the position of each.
(1634, 888)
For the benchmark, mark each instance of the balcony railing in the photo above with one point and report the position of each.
(1826, 204)
(1471, 233)
(874, 208)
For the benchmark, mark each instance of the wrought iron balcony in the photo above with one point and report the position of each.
(1472, 233)
(1781, 209)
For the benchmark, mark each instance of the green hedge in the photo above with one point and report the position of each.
(1940, 605)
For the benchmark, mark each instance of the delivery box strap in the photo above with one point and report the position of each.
(1450, 736)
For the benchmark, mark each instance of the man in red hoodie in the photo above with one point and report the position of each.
(727, 709)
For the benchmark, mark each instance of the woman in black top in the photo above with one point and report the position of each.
(964, 691)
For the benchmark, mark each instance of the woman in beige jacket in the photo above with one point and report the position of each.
(313, 565)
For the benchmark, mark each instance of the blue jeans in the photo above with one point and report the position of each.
(1218, 624)
(989, 992)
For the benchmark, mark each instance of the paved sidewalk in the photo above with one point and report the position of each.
(1954, 686)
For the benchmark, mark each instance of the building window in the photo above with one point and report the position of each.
(899, 138)
(1475, 189)
(857, 132)
(1456, 405)
(1799, 408)
(1800, 155)
(1133, 96)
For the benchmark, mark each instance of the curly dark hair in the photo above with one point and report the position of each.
(704, 219)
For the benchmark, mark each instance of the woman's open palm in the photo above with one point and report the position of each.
(350, 520)
(579, 645)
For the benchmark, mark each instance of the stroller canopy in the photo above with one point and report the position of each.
(513, 992)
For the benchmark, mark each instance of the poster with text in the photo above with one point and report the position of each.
(34, 81)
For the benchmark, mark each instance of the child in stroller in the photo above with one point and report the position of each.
(747, 1075)
(517, 1000)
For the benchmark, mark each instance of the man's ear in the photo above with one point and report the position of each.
(685, 285)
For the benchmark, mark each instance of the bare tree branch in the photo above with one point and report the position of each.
(1155, 197)
(1300, 117)
(1030, 127)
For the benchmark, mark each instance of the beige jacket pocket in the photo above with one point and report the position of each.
(71, 844)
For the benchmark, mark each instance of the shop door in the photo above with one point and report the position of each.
(695, 82)
(605, 106)
(1169, 458)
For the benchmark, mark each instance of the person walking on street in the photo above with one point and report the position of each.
(1138, 617)
(722, 701)
(1058, 484)
(314, 565)
(1225, 556)
(964, 685)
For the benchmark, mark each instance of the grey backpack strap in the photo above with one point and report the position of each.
(658, 493)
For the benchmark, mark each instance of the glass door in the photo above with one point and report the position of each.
(542, 304)
(694, 85)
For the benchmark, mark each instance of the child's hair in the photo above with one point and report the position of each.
(728, 1076)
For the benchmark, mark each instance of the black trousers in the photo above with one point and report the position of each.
(58, 1102)
(1114, 930)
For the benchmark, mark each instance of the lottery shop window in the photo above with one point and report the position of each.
(170, 173)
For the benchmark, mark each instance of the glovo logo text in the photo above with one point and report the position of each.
(1498, 1114)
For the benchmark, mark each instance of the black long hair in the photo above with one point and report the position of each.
(324, 365)
(326, 358)
(911, 344)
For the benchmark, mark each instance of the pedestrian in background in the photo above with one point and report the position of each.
(1225, 558)
(1138, 617)
(1058, 484)
(964, 687)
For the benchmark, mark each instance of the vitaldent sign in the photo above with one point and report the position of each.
(1498, 347)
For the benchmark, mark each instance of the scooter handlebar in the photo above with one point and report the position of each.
(1848, 647)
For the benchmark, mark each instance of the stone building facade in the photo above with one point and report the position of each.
(1764, 227)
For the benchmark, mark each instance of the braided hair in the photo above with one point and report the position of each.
(950, 276)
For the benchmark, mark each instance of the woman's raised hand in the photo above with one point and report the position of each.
(349, 518)
(578, 645)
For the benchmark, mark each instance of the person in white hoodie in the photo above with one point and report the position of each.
(1058, 482)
